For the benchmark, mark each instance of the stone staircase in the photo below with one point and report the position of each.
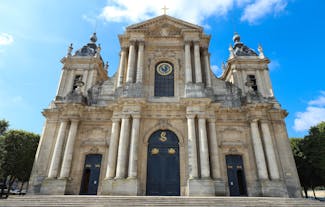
(119, 201)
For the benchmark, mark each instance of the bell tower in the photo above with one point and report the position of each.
(81, 70)
(248, 70)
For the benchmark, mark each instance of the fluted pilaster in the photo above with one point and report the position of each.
(56, 156)
(112, 152)
(192, 148)
(123, 148)
(258, 150)
(67, 158)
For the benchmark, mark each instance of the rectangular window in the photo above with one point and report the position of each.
(252, 79)
(76, 78)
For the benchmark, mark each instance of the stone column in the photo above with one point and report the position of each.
(84, 79)
(63, 80)
(270, 154)
(192, 149)
(133, 157)
(123, 148)
(56, 156)
(260, 83)
(140, 62)
(68, 152)
(204, 152)
(188, 66)
(121, 67)
(268, 84)
(214, 149)
(69, 85)
(131, 62)
(90, 77)
(258, 150)
(197, 62)
(112, 153)
(207, 67)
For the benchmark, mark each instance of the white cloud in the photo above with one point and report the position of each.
(196, 11)
(216, 70)
(320, 101)
(6, 39)
(275, 64)
(90, 20)
(314, 113)
(260, 8)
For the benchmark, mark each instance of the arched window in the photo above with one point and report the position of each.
(164, 79)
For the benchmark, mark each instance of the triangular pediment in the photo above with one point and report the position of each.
(166, 22)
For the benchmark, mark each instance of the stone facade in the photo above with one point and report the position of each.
(213, 118)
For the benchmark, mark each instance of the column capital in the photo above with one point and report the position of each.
(141, 42)
(190, 116)
(74, 120)
(196, 42)
(187, 42)
(124, 48)
(264, 121)
(125, 116)
(116, 119)
(132, 42)
(63, 119)
(202, 116)
(254, 120)
(136, 116)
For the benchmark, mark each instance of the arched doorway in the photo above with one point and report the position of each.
(236, 175)
(90, 176)
(163, 172)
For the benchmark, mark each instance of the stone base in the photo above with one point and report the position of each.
(201, 187)
(121, 187)
(51, 186)
(274, 188)
(220, 187)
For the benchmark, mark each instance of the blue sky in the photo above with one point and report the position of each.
(35, 34)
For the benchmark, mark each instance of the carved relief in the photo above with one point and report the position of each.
(90, 132)
(233, 137)
(165, 30)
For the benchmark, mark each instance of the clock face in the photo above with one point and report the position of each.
(164, 68)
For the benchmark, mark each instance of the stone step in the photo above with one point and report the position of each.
(107, 201)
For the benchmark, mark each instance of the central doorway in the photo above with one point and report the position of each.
(163, 172)
(236, 175)
(90, 177)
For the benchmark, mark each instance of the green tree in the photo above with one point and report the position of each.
(309, 154)
(3, 126)
(314, 149)
(19, 147)
(304, 170)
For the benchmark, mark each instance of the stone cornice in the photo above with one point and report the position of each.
(163, 18)
(195, 101)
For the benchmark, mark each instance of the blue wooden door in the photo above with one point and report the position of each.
(90, 177)
(236, 175)
(163, 177)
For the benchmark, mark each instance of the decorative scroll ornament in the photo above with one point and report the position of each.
(163, 137)
(164, 68)
(171, 151)
(155, 151)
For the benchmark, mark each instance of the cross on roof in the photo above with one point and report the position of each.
(165, 9)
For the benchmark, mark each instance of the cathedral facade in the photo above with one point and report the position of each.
(164, 124)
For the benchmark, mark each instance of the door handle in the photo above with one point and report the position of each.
(231, 183)
(95, 182)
